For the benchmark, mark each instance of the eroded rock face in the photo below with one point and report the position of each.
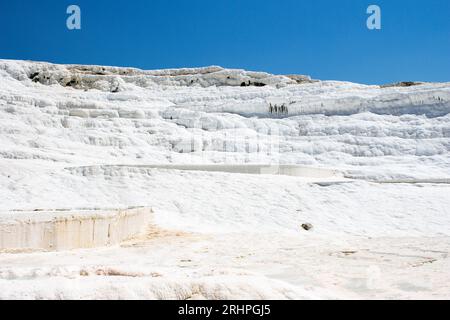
(301, 78)
(402, 84)
(113, 79)
(78, 114)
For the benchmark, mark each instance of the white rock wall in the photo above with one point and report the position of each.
(75, 230)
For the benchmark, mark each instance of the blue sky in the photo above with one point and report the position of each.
(323, 38)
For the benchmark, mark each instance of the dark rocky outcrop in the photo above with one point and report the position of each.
(402, 84)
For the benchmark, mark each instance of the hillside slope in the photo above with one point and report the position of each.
(99, 137)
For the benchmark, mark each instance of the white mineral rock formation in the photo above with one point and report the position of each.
(232, 163)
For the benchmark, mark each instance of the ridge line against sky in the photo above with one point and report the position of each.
(324, 39)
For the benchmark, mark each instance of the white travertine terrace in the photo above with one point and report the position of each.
(63, 230)
(233, 164)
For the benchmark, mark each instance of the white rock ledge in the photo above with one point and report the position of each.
(274, 169)
(65, 230)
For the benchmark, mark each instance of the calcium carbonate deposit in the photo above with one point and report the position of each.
(217, 183)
